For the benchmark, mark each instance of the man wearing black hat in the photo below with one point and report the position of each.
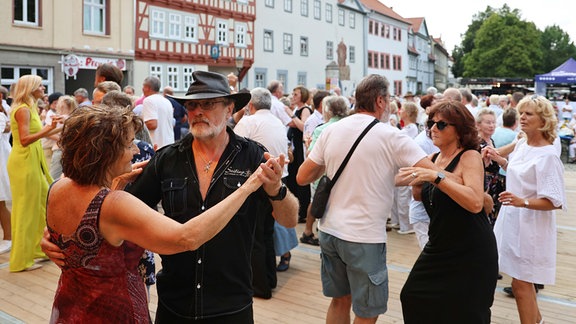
(213, 283)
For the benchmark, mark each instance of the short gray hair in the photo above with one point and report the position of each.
(153, 82)
(82, 92)
(261, 98)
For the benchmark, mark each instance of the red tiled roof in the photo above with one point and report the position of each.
(416, 23)
(379, 7)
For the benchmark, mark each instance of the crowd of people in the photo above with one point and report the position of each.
(234, 171)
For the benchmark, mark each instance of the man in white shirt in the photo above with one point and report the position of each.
(277, 108)
(263, 127)
(567, 110)
(316, 118)
(353, 228)
(157, 113)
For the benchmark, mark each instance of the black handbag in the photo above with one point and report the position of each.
(320, 200)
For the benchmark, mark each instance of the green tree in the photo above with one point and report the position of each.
(504, 46)
(467, 44)
(458, 65)
(556, 47)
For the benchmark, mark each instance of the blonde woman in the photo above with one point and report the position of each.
(526, 226)
(66, 105)
(28, 172)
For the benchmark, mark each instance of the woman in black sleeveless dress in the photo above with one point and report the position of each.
(300, 96)
(454, 278)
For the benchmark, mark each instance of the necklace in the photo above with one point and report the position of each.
(207, 163)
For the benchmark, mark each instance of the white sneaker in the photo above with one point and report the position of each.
(393, 226)
(5, 246)
(406, 232)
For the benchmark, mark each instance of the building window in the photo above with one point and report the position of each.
(352, 54)
(26, 12)
(340, 16)
(370, 27)
(328, 13)
(172, 74)
(260, 77)
(240, 35)
(174, 26)
(302, 78)
(397, 62)
(370, 64)
(287, 43)
(191, 28)
(386, 31)
(398, 88)
(386, 62)
(288, 5)
(269, 3)
(352, 20)
(187, 76)
(11, 74)
(268, 41)
(395, 33)
(304, 46)
(282, 76)
(329, 50)
(222, 32)
(156, 70)
(304, 8)
(317, 10)
(95, 16)
(157, 21)
(399, 32)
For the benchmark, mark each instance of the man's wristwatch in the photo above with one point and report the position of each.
(526, 203)
(439, 177)
(281, 193)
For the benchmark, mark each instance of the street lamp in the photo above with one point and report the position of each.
(239, 64)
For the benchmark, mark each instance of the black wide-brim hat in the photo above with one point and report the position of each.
(210, 85)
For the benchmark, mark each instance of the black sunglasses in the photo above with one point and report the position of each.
(439, 124)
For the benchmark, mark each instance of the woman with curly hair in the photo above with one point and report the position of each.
(454, 278)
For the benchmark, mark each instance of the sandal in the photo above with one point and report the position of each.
(284, 263)
(309, 239)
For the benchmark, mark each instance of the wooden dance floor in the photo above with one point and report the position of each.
(27, 297)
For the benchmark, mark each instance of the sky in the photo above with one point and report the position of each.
(449, 19)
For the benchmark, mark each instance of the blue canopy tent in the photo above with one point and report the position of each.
(565, 73)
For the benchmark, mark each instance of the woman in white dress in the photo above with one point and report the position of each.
(6, 242)
(526, 226)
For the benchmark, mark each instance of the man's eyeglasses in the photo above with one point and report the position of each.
(439, 124)
(208, 105)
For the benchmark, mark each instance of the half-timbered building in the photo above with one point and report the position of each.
(173, 38)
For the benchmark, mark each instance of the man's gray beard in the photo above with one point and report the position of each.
(385, 116)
